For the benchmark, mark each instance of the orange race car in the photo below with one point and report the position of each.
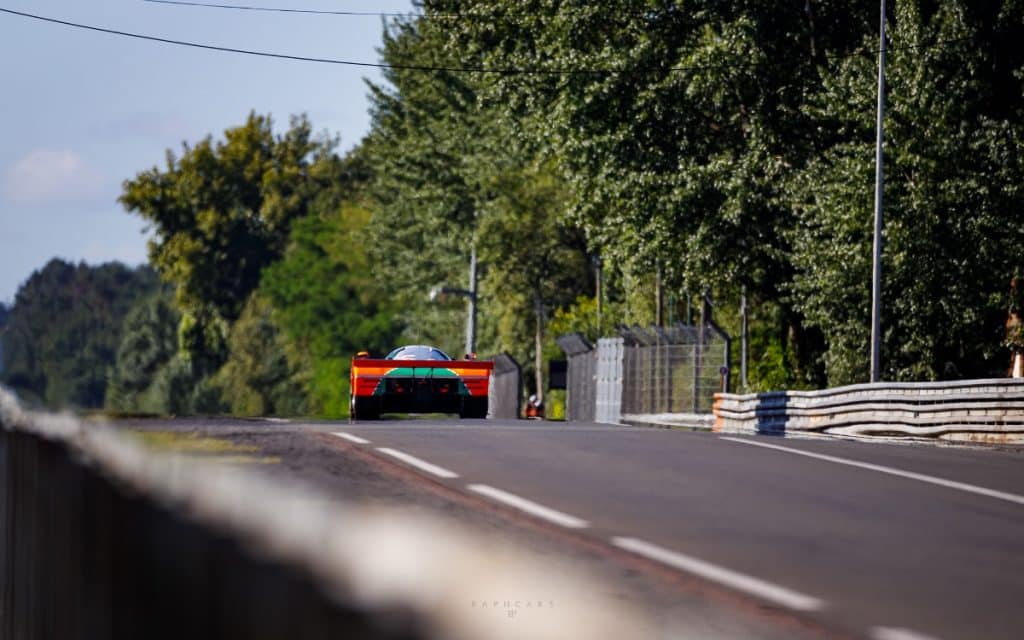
(418, 379)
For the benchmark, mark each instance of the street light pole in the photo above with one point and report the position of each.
(876, 263)
(743, 339)
(471, 315)
(441, 292)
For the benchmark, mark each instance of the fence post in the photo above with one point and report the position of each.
(666, 340)
(726, 354)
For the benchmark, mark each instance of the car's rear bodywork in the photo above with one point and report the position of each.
(419, 386)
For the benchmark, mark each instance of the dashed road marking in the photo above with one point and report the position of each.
(942, 482)
(350, 437)
(896, 633)
(726, 577)
(422, 465)
(539, 510)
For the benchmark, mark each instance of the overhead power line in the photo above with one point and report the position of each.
(382, 14)
(374, 65)
(185, 43)
(433, 68)
(285, 10)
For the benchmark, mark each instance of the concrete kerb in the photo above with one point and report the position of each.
(677, 421)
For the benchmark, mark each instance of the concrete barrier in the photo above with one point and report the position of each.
(101, 538)
(505, 393)
(965, 410)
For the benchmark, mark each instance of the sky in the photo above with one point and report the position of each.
(82, 111)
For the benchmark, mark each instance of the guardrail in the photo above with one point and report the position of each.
(101, 538)
(966, 410)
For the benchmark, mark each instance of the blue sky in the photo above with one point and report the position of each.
(82, 111)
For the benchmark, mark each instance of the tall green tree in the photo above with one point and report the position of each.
(64, 329)
(425, 207)
(331, 302)
(675, 122)
(538, 263)
(221, 213)
(676, 126)
(259, 378)
(450, 177)
(953, 196)
(147, 357)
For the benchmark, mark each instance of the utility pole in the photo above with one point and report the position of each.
(876, 262)
(659, 298)
(538, 345)
(600, 294)
(698, 349)
(471, 316)
(441, 292)
(743, 339)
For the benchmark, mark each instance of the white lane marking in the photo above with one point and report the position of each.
(530, 507)
(726, 577)
(350, 437)
(896, 633)
(422, 465)
(942, 482)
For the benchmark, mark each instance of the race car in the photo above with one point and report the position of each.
(418, 379)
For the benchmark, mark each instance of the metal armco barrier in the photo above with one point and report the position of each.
(100, 538)
(966, 410)
(506, 390)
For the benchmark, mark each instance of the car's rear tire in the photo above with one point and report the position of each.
(363, 408)
(473, 408)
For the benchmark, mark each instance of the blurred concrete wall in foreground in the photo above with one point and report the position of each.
(101, 538)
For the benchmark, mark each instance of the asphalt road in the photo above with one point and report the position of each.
(871, 540)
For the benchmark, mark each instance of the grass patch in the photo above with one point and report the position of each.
(244, 459)
(192, 444)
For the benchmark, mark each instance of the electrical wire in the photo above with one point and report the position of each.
(408, 14)
(413, 14)
(312, 11)
(265, 54)
(374, 65)
(432, 68)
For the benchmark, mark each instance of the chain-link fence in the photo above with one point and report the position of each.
(673, 369)
(651, 370)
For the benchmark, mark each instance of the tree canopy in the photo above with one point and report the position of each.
(690, 148)
(953, 231)
(221, 213)
(61, 340)
(729, 145)
(450, 177)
